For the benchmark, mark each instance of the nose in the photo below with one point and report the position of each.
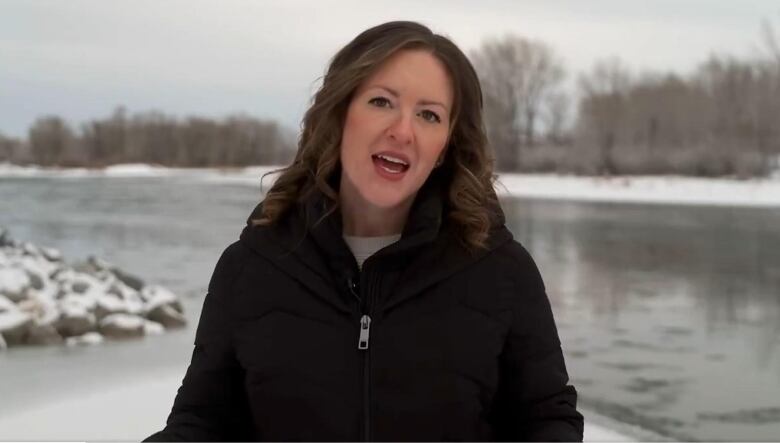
(401, 130)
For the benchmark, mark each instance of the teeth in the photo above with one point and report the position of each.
(390, 170)
(393, 159)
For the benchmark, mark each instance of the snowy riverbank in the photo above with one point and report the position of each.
(136, 410)
(637, 189)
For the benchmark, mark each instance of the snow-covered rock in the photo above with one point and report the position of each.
(13, 283)
(155, 296)
(122, 326)
(6, 304)
(75, 321)
(45, 301)
(14, 325)
(168, 316)
(153, 328)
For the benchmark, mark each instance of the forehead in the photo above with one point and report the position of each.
(414, 72)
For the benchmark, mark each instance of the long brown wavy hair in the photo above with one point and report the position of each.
(468, 164)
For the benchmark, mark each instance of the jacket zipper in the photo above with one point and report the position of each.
(363, 341)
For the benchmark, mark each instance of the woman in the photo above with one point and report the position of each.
(375, 294)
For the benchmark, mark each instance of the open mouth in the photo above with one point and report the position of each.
(390, 164)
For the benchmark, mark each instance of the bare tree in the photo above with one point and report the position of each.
(603, 106)
(519, 76)
(51, 141)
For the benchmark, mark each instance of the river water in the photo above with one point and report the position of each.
(669, 315)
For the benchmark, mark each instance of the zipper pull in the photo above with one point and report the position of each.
(365, 327)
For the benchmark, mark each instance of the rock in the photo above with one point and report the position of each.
(90, 338)
(30, 249)
(109, 304)
(75, 325)
(42, 309)
(14, 283)
(168, 316)
(155, 296)
(6, 304)
(153, 328)
(130, 280)
(5, 239)
(36, 281)
(133, 303)
(51, 254)
(14, 326)
(79, 287)
(42, 335)
(44, 300)
(69, 300)
(122, 326)
(96, 264)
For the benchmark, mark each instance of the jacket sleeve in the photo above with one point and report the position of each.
(210, 404)
(534, 401)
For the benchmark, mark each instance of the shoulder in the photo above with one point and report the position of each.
(514, 262)
(230, 264)
(512, 255)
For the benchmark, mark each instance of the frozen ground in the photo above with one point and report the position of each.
(136, 410)
(640, 189)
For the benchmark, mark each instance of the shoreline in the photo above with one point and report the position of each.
(98, 415)
(669, 190)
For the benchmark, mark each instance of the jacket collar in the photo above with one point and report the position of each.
(316, 255)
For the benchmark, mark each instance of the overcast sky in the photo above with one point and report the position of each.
(81, 58)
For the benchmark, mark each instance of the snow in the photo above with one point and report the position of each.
(90, 338)
(644, 189)
(136, 410)
(6, 304)
(41, 307)
(13, 280)
(111, 303)
(156, 296)
(153, 328)
(72, 306)
(133, 170)
(13, 319)
(123, 321)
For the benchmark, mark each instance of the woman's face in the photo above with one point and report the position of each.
(396, 128)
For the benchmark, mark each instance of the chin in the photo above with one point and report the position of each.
(385, 198)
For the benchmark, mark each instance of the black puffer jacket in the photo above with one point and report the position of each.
(427, 342)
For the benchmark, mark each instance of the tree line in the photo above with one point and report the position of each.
(721, 119)
(152, 137)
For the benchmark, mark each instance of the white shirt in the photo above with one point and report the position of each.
(364, 247)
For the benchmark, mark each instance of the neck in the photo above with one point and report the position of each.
(362, 219)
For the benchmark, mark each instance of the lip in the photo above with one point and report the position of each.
(394, 154)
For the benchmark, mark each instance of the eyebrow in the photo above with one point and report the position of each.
(422, 102)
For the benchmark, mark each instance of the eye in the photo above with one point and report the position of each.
(380, 102)
(430, 116)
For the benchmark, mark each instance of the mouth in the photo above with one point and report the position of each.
(390, 165)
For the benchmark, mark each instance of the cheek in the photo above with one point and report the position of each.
(350, 140)
(357, 134)
(432, 146)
